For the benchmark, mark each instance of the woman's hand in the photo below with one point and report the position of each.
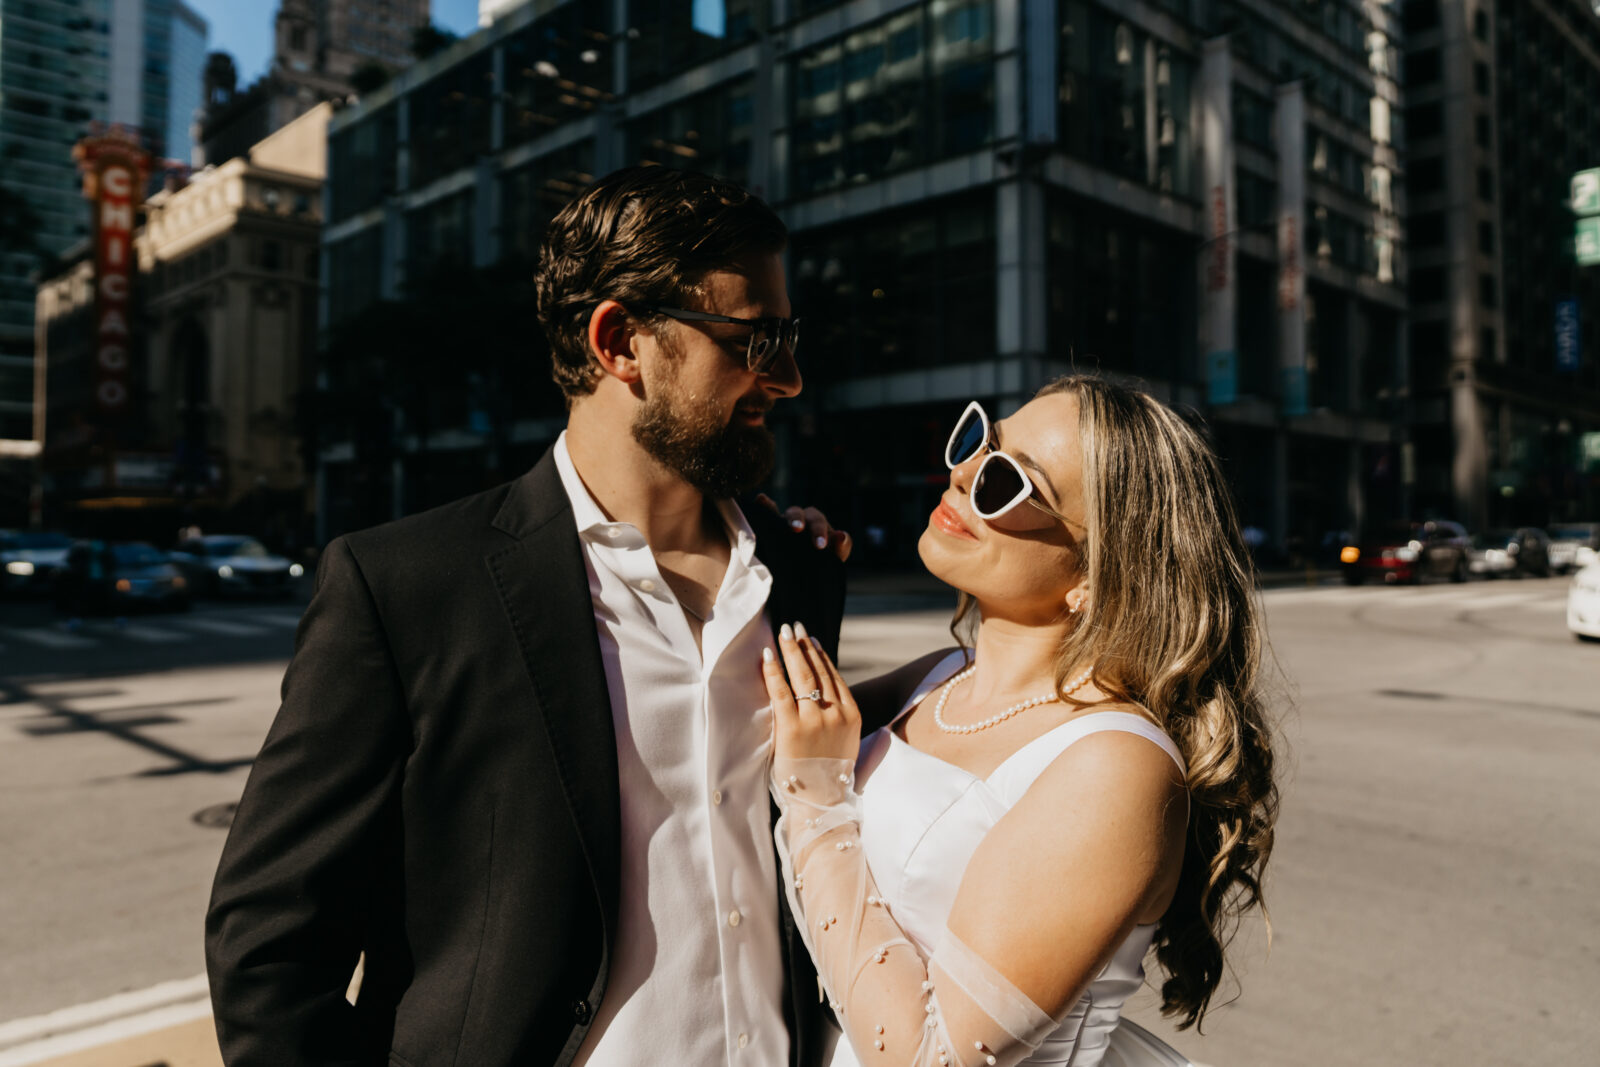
(814, 714)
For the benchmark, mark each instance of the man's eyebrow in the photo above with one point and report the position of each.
(1029, 461)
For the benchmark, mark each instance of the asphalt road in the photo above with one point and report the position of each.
(1432, 894)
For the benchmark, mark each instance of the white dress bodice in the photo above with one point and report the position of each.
(923, 818)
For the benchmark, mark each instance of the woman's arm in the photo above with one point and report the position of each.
(1043, 904)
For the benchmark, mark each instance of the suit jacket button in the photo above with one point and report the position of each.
(580, 1011)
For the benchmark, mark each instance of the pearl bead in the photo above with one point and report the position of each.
(878, 1044)
(879, 1028)
(1044, 698)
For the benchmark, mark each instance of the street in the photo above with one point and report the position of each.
(1432, 892)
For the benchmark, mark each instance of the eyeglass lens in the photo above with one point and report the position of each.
(968, 438)
(998, 484)
(767, 341)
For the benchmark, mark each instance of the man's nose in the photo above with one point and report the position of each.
(782, 379)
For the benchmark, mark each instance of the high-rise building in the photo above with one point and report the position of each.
(1199, 194)
(63, 66)
(1505, 333)
(55, 61)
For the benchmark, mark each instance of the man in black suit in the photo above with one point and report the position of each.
(519, 762)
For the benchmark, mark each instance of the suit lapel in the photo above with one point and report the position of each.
(544, 587)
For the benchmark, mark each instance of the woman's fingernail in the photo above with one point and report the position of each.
(785, 633)
(816, 644)
(766, 655)
(822, 542)
(796, 525)
(800, 631)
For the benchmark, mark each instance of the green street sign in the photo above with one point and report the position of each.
(1586, 242)
(1586, 192)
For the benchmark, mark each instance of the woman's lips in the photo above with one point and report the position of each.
(945, 520)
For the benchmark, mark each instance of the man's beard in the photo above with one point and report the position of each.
(719, 458)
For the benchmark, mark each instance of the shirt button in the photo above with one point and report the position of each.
(647, 585)
(744, 1039)
(716, 796)
(734, 918)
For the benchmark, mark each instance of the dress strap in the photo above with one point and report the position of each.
(1019, 770)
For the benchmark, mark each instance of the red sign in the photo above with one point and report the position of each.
(115, 167)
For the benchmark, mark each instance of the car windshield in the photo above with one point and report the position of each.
(1492, 538)
(236, 546)
(37, 541)
(1581, 531)
(136, 555)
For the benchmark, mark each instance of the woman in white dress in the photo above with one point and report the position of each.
(1093, 777)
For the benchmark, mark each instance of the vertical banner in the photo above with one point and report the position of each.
(1220, 295)
(1569, 335)
(115, 168)
(1291, 133)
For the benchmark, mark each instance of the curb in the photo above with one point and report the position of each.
(85, 1026)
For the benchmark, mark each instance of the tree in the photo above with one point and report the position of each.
(370, 77)
(430, 39)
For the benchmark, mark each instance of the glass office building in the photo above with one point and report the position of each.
(982, 194)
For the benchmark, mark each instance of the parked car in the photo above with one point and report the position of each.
(223, 564)
(1408, 552)
(101, 576)
(1574, 545)
(1510, 553)
(1583, 603)
(31, 558)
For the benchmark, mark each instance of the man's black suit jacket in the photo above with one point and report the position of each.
(439, 790)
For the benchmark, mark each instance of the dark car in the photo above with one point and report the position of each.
(1510, 553)
(224, 564)
(1408, 552)
(31, 559)
(106, 576)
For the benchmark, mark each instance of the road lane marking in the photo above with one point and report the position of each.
(218, 626)
(288, 622)
(19, 1036)
(152, 635)
(52, 639)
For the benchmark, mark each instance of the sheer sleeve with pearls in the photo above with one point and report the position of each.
(895, 1006)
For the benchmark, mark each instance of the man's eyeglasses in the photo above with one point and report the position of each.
(767, 336)
(1001, 483)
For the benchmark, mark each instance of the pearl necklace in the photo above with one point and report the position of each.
(1043, 698)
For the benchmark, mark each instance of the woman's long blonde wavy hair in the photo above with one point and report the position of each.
(1172, 626)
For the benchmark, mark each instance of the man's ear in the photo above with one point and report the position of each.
(611, 339)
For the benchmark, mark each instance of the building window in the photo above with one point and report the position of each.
(362, 164)
(1485, 185)
(1480, 24)
(439, 237)
(1428, 285)
(1428, 229)
(1425, 120)
(1488, 345)
(271, 256)
(1481, 130)
(1107, 116)
(672, 36)
(899, 93)
(531, 195)
(895, 289)
(1488, 293)
(1486, 238)
(297, 38)
(1421, 15)
(1422, 67)
(709, 131)
(450, 120)
(1426, 176)
(557, 69)
(1480, 78)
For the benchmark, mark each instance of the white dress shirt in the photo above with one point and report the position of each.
(697, 972)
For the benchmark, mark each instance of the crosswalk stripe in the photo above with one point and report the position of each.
(49, 638)
(152, 635)
(218, 626)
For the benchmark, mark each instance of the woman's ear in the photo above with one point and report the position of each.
(1078, 599)
(611, 336)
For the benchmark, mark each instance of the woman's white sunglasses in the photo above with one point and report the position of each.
(1000, 483)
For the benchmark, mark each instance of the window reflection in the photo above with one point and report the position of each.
(450, 119)
(912, 88)
(362, 164)
(709, 131)
(439, 237)
(556, 70)
(671, 36)
(531, 195)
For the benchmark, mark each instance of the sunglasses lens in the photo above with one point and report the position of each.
(967, 440)
(997, 485)
(761, 351)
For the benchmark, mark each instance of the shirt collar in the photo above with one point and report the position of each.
(594, 527)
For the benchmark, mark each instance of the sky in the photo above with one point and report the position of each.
(243, 28)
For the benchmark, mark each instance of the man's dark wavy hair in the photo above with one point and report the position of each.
(642, 235)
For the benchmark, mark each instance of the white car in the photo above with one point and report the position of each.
(1583, 603)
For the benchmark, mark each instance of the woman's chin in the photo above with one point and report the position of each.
(938, 559)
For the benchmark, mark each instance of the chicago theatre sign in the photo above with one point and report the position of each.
(115, 169)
